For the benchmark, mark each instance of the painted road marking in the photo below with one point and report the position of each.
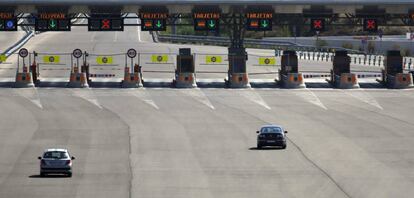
(363, 96)
(198, 95)
(310, 97)
(144, 96)
(30, 94)
(87, 94)
(251, 95)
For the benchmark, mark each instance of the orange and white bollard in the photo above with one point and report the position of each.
(239, 80)
(24, 79)
(131, 80)
(78, 79)
(185, 80)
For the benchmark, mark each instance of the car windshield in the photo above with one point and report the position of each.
(55, 155)
(271, 130)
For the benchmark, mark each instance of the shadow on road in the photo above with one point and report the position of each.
(48, 176)
(265, 148)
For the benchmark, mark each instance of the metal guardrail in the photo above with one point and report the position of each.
(259, 43)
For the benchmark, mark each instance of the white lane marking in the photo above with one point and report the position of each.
(87, 94)
(144, 96)
(139, 31)
(198, 95)
(363, 96)
(30, 94)
(310, 97)
(116, 37)
(251, 95)
(93, 37)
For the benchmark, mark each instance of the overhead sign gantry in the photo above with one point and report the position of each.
(106, 19)
(8, 21)
(52, 21)
(153, 18)
(206, 18)
(259, 19)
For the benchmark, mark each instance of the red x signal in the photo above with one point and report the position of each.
(370, 25)
(106, 24)
(318, 24)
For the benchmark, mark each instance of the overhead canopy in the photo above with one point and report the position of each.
(282, 6)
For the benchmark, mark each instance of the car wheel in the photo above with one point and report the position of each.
(69, 174)
(42, 174)
(259, 146)
(284, 146)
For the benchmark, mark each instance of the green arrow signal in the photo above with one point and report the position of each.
(52, 23)
(158, 24)
(211, 23)
(265, 23)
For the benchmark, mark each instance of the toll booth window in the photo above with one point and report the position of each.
(394, 64)
(342, 64)
(290, 63)
(238, 64)
(187, 65)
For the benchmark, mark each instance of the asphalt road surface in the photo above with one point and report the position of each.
(163, 142)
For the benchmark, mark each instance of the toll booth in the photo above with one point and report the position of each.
(24, 76)
(341, 76)
(132, 71)
(289, 76)
(393, 75)
(34, 69)
(185, 71)
(237, 74)
(78, 78)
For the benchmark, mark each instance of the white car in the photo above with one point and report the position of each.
(56, 161)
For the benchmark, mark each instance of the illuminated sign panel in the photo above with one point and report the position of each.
(154, 21)
(259, 21)
(8, 22)
(370, 25)
(206, 21)
(52, 22)
(106, 23)
(318, 25)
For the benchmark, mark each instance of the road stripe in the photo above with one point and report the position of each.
(198, 95)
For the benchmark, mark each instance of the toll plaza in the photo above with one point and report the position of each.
(237, 73)
(184, 73)
(341, 76)
(289, 76)
(393, 75)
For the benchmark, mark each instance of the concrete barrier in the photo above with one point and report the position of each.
(185, 80)
(131, 80)
(293, 81)
(347, 81)
(24, 80)
(239, 80)
(400, 81)
(78, 79)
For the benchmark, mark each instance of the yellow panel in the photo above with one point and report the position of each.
(267, 61)
(214, 59)
(51, 59)
(3, 58)
(104, 60)
(159, 58)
